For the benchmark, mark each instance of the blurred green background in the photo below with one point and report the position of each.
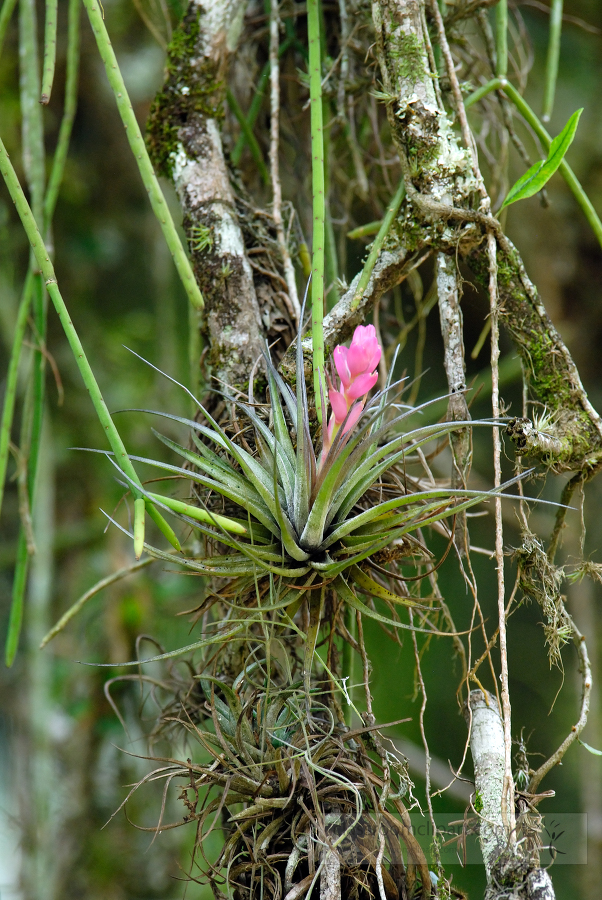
(65, 760)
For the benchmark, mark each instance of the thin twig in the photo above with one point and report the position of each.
(508, 793)
(427, 755)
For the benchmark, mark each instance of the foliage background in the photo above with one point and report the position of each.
(62, 773)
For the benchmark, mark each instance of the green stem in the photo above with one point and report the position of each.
(39, 309)
(194, 351)
(501, 38)
(248, 132)
(552, 60)
(379, 240)
(527, 113)
(105, 582)
(363, 231)
(34, 164)
(6, 12)
(49, 49)
(71, 85)
(15, 619)
(47, 269)
(496, 84)
(33, 414)
(317, 157)
(10, 394)
(30, 445)
(255, 106)
(31, 112)
(140, 152)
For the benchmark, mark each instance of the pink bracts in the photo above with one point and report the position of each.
(356, 367)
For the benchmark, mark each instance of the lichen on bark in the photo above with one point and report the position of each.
(185, 141)
(442, 188)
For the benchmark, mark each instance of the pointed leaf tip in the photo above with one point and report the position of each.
(539, 174)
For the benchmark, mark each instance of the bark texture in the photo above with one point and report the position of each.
(450, 314)
(509, 872)
(185, 141)
(447, 207)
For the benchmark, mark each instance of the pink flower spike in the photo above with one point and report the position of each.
(361, 385)
(357, 360)
(364, 352)
(340, 361)
(354, 415)
(339, 406)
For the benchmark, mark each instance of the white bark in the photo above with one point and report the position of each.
(500, 853)
(203, 186)
(488, 755)
(450, 314)
(330, 876)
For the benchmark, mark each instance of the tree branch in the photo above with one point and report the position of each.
(185, 143)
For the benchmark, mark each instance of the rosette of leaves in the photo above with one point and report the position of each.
(301, 526)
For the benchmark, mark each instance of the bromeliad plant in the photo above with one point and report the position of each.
(302, 519)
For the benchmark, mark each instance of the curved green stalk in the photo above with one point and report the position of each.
(47, 269)
(31, 112)
(71, 85)
(49, 50)
(15, 619)
(363, 231)
(140, 152)
(527, 113)
(91, 592)
(496, 84)
(33, 415)
(6, 12)
(10, 394)
(552, 59)
(317, 158)
(379, 240)
(501, 38)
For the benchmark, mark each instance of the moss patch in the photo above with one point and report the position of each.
(192, 85)
(408, 55)
(549, 376)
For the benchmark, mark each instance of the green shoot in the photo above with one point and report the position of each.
(552, 59)
(317, 158)
(501, 38)
(49, 49)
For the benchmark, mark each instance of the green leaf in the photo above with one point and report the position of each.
(344, 591)
(368, 586)
(193, 512)
(590, 749)
(538, 175)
